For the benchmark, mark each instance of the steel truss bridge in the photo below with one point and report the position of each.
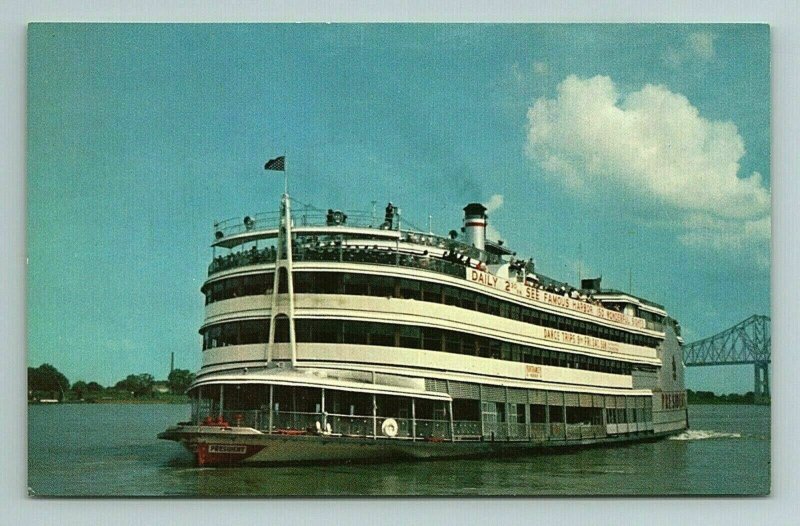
(747, 342)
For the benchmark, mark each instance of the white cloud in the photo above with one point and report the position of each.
(697, 46)
(701, 44)
(654, 146)
(541, 68)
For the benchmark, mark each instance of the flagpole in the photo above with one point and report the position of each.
(285, 177)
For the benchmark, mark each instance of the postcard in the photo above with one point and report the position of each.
(398, 259)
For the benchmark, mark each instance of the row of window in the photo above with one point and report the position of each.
(499, 412)
(383, 286)
(389, 335)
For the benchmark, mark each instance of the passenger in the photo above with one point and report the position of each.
(329, 218)
(389, 217)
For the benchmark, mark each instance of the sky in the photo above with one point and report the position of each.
(637, 152)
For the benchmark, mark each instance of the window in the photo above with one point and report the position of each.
(381, 334)
(469, 344)
(410, 337)
(230, 334)
(494, 412)
(482, 303)
(254, 331)
(516, 353)
(528, 355)
(326, 331)
(355, 332)
(468, 300)
(494, 349)
(452, 296)
(452, 342)
(432, 292)
(410, 290)
(556, 414)
(211, 337)
(355, 284)
(327, 283)
(260, 285)
(538, 414)
(381, 286)
(431, 339)
(484, 347)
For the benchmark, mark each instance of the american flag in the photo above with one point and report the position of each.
(276, 163)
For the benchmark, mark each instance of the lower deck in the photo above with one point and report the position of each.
(495, 414)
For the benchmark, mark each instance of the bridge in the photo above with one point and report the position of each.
(747, 342)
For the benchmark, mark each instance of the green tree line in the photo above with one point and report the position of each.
(47, 382)
(708, 397)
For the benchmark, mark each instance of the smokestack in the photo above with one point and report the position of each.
(475, 225)
(172, 362)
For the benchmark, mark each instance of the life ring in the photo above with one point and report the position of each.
(390, 427)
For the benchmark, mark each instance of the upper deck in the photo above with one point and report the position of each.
(359, 237)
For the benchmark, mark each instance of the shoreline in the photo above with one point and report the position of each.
(111, 402)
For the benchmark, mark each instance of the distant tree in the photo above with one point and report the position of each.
(47, 378)
(138, 384)
(79, 388)
(94, 387)
(179, 380)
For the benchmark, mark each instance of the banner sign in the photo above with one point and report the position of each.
(533, 371)
(591, 342)
(537, 295)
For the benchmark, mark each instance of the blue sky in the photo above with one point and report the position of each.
(637, 151)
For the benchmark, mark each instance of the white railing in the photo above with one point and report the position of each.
(367, 426)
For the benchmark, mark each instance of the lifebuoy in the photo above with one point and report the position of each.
(390, 427)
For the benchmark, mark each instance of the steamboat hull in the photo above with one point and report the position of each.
(247, 446)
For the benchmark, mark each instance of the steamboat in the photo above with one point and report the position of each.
(329, 338)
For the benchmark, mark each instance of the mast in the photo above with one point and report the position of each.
(283, 262)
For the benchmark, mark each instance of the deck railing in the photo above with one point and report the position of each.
(349, 255)
(367, 426)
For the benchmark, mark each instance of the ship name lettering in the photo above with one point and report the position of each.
(533, 293)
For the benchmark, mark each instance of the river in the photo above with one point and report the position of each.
(112, 450)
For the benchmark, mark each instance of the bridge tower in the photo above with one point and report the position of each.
(747, 342)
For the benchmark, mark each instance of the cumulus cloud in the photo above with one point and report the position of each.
(654, 146)
(697, 46)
